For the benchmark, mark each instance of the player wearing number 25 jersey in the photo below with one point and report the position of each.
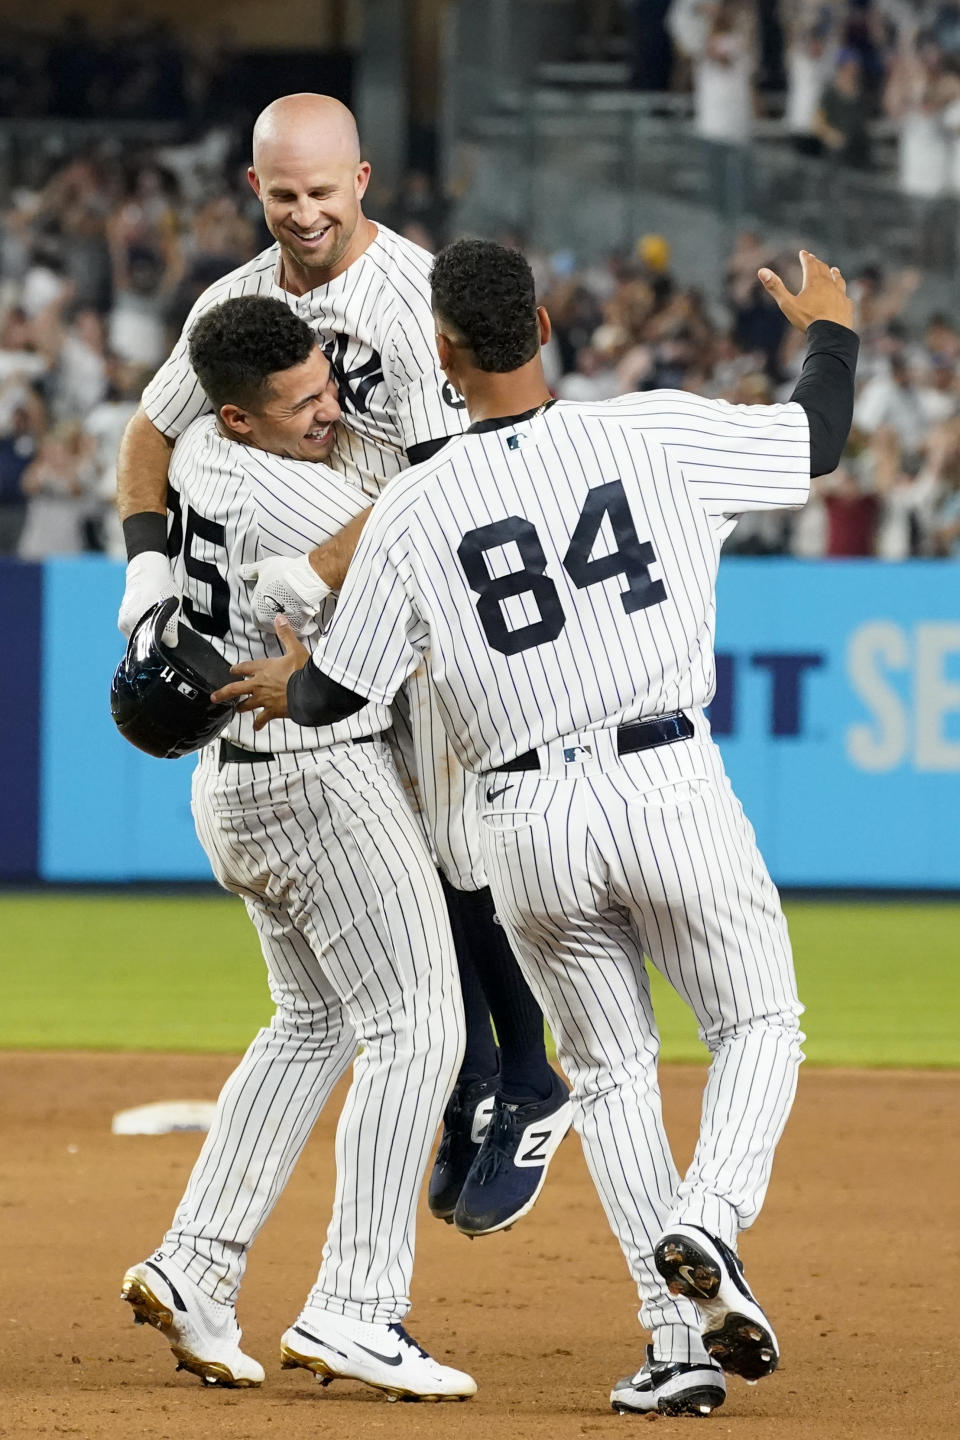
(311, 828)
(559, 564)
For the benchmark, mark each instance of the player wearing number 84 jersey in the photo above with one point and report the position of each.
(560, 563)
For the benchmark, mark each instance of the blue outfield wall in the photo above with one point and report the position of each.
(838, 712)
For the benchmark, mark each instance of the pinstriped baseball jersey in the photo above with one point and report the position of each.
(375, 325)
(229, 504)
(561, 569)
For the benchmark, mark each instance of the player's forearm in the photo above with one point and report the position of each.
(331, 560)
(142, 469)
(826, 391)
(314, 699)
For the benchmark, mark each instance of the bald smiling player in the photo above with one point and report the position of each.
(365, 292)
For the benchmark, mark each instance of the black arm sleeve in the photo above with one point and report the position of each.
(314, 699)
(825, 390)
(426, 449)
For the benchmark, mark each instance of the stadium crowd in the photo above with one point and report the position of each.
(823, 73)
(100, 266)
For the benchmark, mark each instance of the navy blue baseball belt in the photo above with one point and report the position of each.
(231, 754)
(643, 735)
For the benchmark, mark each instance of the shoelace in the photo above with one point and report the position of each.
(498, 1144)
(406, 1339)
(451, 1118)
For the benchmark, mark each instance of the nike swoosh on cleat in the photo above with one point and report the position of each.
(177, 1298)
(687, 1272)
(298, 1330)
(387, 1359)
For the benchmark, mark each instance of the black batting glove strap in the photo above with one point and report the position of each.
(145, 531)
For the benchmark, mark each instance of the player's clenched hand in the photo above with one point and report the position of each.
(822, 296)
(264, 683)
(285, 585)
(149, 579)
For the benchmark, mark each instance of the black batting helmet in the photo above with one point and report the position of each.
(160, 696)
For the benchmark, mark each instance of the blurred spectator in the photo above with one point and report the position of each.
(147, 264)
(80, 377)
(18, 446)
(19, 355)
(841, 120)
(719, 36)
(852, 515)
(907, 487)
(809, 64)
(892, 400)
(757, 326)
(45, 282)
(219, 239)
(918, 94)
(593, 379)
(58, 487)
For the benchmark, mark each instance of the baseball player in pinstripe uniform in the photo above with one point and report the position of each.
(559, 563)
(310, 826)
(365, 292)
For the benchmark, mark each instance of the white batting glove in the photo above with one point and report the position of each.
(286, 585)
(149, 579)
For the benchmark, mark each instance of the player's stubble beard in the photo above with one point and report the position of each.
(315, 266)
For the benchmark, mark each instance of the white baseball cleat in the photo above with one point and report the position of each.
(736, 1332)
(384, 1356)
(668, 1388)
(204, 1335)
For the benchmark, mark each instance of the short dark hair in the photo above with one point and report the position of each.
(486, 293)
(237, 345)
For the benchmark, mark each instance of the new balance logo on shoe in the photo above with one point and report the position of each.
(481, 1119)
(535, 1154)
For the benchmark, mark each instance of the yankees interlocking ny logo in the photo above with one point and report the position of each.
(355, 385)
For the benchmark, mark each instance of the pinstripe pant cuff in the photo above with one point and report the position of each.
(676, 1344)
(215, 1267)
(371, 1312)
(711, 1213)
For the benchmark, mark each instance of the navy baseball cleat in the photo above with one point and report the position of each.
(508, 1173)
(670, 1388)
(465, 1122)
(735, 1330)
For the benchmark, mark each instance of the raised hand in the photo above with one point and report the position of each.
(822, 296)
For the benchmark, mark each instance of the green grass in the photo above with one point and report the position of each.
(880, 980)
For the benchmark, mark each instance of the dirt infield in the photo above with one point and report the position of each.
(856, 1257)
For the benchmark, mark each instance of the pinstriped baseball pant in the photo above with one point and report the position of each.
(594, 865)
(353, 927)
(442, 795)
